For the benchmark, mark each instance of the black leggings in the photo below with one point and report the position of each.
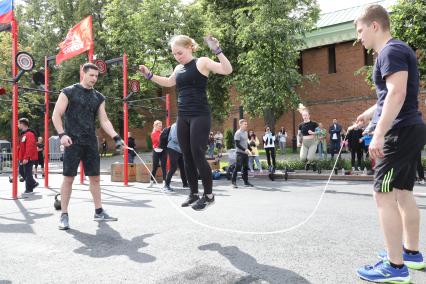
(270, 153)
(158, 157)
(358, 153)
(193, 136)
(176, 159)
(420, 169)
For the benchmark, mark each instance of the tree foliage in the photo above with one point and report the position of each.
(408, 23)
(270, 33)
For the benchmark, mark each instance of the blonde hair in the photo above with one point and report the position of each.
(374, 13)
(301, 108)
(157, 122)
(184, 41)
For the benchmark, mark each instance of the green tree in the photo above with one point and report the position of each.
(218, 18)
(408, 23)
(269, 31)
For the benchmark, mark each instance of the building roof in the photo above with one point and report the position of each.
(337, 26)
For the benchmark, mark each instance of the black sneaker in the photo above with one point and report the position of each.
(35, 185)
(203, 203)
(185, 186)
(307, 167)
(247, 184)
(191, 199)
(234, 185)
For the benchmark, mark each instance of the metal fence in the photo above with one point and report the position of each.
(55, 161)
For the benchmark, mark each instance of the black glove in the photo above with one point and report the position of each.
(119, 145)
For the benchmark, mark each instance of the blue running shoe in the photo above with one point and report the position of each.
(412, 261)
(383, 272)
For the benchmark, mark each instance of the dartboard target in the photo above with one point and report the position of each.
(25, 61)
(135, 86)
(102, 66)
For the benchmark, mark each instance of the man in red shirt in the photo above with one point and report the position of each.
(27, 155)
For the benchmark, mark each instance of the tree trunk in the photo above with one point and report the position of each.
(269, 117)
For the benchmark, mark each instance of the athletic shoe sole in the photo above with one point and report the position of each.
(396, 280)
(63, 228)
(205, 207)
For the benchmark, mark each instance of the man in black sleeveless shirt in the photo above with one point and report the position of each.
(80, 104)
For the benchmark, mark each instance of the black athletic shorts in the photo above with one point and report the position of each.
(88, 154)
(398, 167)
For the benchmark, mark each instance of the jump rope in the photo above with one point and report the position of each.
(307, 219)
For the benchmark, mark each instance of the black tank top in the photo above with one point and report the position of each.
(191, 87)
(80, 115)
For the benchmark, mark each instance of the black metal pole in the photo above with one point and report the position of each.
(294, 140)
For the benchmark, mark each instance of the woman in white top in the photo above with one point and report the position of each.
(269, 146)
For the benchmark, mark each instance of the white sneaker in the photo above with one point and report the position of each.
(421, 181)
(151, 184)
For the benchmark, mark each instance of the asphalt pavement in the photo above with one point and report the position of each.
(157, 241)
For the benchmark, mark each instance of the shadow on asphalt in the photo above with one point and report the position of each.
(108, 242)
(256, 271)
(22, 225)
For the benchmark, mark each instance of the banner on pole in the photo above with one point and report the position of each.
(78, 40)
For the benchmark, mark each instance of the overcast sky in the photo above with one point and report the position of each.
(333, 5)
(330, 5)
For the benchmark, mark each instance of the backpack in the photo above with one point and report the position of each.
(164, 138)
(216, 174)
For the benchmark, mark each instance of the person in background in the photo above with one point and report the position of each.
(307, 140)
(254, 156)
(175, 158)
(269, 146)
(210, 151)
(282, 138)
(356, 146)
(321, 134)
(104, 147)
(40, 160)
(218, 139)
(243, 152)
(335, 138)
(158, 157)
(132, 144)
(27, 154)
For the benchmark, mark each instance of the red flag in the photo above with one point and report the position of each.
(79, 39)
(6, 11)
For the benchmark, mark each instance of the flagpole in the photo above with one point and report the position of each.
(46, 123)
(126, 121)
(15, 110)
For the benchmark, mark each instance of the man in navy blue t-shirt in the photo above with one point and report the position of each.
(398, 138)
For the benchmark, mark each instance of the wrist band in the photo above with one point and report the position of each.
(117, 138)
(149, 76)
(217, 51)
(61, 134)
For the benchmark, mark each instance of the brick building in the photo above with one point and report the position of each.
(331, 54)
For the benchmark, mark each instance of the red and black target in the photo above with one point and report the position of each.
(25, 61)
(102, 66)
(135, 86)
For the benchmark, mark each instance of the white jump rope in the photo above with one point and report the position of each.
(249, 232)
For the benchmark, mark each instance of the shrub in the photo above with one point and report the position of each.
(229, 139)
